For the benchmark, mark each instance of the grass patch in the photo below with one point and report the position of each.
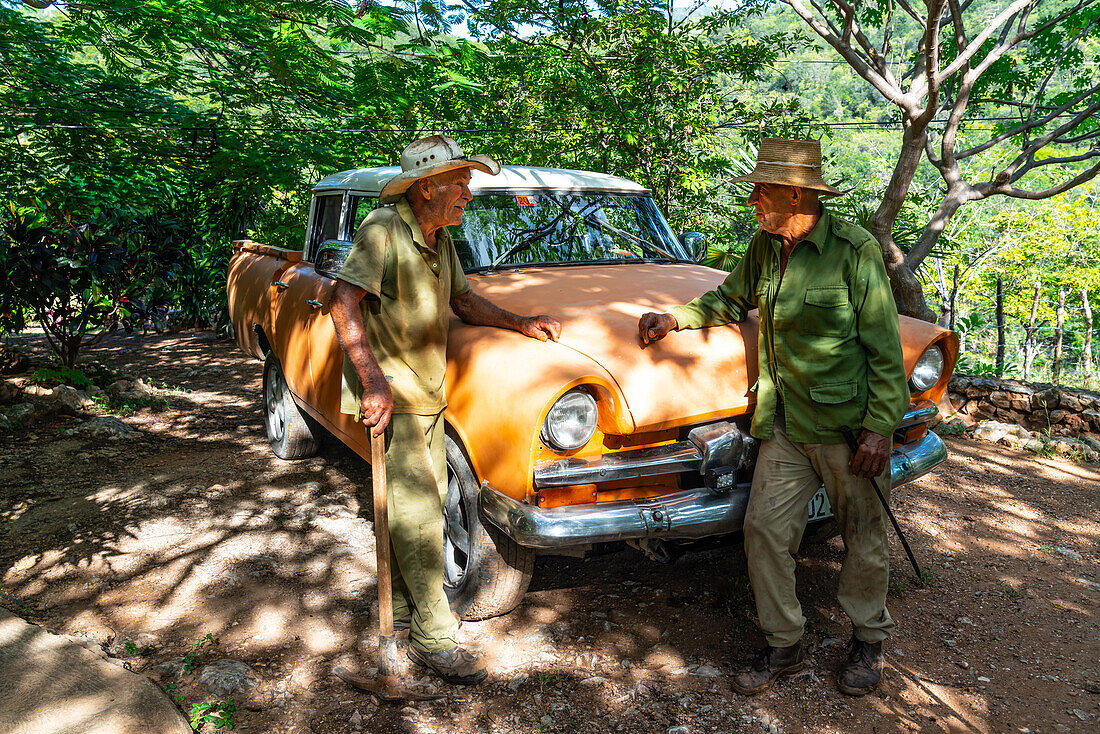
(51, 377)
(550, 678)
(129, 406)
(222, 714)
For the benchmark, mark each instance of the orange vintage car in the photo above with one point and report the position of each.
(553, 448)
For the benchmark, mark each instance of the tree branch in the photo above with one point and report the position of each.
(1039, 122)
(1033, 147)
(1053, 68)
(912, 13)
(1003, 17)
(1091, 153)
(1077, 180)
(891, 91)
(1091, 135)
(932, 65)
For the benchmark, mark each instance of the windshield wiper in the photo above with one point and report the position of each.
(644, 244)
(539, 233)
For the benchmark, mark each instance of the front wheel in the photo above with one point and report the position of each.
(485, 572)
(288, 431)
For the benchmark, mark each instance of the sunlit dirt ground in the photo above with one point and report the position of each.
(195, 528)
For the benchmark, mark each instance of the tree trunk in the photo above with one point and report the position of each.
(1000, 327)
(1031, 350)
(1088, 332)
(907, 289)
(1058, 335)
(954, 295)
(949, 205)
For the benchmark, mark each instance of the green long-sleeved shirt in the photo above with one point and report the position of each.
(830, 344)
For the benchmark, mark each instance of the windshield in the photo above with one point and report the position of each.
(507, 230)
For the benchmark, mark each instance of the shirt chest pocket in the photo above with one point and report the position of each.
(763, 290)
(826, 311)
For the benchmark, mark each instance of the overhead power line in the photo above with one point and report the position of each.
(402, 125)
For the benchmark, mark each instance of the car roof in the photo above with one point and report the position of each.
(511, 179)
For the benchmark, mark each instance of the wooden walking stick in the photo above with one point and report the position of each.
(388, 686)
(853, 446)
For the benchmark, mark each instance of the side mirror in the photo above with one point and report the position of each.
(696, 245)
(331, 256)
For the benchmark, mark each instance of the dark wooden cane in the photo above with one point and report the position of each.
(388, 686)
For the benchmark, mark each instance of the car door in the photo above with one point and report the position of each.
(295, 300)
(326, 355)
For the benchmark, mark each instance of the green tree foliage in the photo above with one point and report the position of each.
(1001, 98)
(78, 279)
(220, 115)
(1054, 243)
(631, 89)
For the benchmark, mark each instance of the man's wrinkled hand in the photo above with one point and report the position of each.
(377, 404)
(872, 453)
(654, 326)
(541, 327)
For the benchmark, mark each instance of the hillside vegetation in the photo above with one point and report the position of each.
(144, 137)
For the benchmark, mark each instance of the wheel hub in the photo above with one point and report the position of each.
(456, 534)
(276, 420)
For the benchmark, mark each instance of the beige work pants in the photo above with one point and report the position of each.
(416, 474)
(786, 477)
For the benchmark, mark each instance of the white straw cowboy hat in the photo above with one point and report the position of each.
(791, 163)
(431, 156)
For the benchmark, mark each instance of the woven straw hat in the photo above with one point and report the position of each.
(431, 156)
(791, 163)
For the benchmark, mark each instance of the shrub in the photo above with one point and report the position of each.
(79, 278)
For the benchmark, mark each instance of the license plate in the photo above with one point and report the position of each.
(819, 507)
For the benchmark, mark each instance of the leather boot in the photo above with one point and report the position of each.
(771, 664)
(863, 671)
(455, 666)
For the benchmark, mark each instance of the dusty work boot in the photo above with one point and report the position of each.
(863, 671)
(456, 666)
(771, 664)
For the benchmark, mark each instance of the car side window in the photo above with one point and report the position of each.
(358, 207)
(326, 220)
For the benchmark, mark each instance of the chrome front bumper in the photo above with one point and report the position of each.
(694, 513)
(698, 453)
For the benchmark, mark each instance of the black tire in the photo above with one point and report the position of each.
(290, 433)
(486, 573)
(818, 532)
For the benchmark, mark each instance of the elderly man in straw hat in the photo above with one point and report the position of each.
(830, 356)
(391, 308)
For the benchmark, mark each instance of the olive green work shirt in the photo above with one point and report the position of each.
(407, 310)
(830, 343)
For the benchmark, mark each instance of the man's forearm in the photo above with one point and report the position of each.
(475, 310)
(348, 321)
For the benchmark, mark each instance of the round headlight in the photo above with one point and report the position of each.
(928, 370)
(571, 422)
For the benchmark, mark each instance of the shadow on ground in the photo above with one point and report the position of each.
(194, 528)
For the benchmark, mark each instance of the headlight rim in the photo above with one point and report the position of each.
(552, 440)
(920, 386)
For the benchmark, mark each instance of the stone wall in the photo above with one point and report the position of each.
(1053, 410)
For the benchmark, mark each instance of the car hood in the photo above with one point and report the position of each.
(688, 377)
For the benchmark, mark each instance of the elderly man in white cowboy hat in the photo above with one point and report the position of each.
(830, 357)
(391, 308)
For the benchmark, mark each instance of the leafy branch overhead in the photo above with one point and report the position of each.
(1003, 99)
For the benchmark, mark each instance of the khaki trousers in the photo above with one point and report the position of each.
(416, 477)
(787, 475)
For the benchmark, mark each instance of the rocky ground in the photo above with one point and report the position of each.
(170, 536)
